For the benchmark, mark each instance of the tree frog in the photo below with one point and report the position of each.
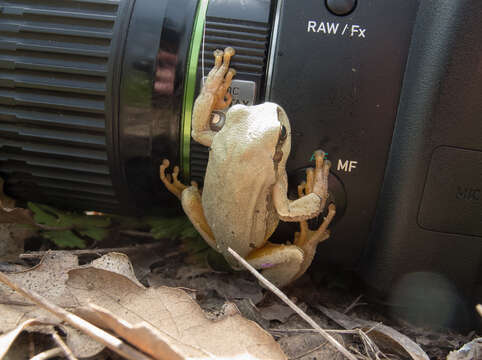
(245, 187)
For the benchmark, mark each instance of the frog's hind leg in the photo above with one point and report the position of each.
(278, 263)
(190, 197)
(307, 239)
(172, 184)
(192, 206)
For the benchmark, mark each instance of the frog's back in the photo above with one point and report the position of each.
(237, 195)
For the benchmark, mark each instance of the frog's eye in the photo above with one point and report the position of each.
(216, 122)
(283, 133)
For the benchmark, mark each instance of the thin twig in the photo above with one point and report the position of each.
(353, 304)
(310, 331)
(77, 322)
(39, 254)
(49, 354)
(68, 353)
(292, 305)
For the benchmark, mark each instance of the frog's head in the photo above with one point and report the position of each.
(261, 129)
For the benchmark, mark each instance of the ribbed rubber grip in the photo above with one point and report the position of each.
(250, 39)
(55, 57)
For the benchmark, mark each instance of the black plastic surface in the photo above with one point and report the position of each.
(440, 106)
(452, 198)
(339, 79)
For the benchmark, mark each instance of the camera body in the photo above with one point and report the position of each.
(389, 89)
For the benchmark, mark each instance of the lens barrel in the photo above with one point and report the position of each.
(90, 99)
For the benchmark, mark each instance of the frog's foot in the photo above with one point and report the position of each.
(278, 263)
(172, 184)
(317, 179)
(307, 239)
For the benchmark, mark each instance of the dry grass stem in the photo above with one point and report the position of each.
(292, 305)
(94, 332)
(49, 354)
(127, 249)
(68, 353)
(371, 348)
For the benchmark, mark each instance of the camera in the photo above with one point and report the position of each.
(94, 94)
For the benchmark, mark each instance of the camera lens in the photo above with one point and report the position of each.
(94, 94)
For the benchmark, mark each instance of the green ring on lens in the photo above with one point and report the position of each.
(190, 87)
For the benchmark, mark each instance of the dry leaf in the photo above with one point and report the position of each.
(276, 311)
(115, 262)
(16, 216)
(109, 282)
(232, 286)
(143, 336)
(47, 279)
(470, 351)
(310, 346)
(9, 214)
(384, 336)
(82, 345)
(12, 241)
(5, 201)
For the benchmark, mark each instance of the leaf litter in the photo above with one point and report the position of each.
(77, 287)
(109, 283)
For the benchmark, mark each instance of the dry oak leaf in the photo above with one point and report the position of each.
(7, 339)
(109, 283)
(9, 214)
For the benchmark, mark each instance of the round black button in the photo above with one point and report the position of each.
(341, 7)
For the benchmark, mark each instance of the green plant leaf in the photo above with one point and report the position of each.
(41, 216)
(176, 227)
(64, 239)
(72, 226)
(98, 234)
(189, 231)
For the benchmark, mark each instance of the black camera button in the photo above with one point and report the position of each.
(452, 198)
(341, 7)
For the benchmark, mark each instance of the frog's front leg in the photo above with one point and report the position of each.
(214, 95)
(190, 197)
(312, 203)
